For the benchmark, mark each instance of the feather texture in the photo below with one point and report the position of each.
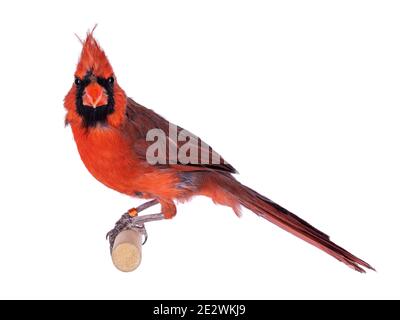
(114, 148)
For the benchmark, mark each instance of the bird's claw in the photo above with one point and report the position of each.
(126, 222)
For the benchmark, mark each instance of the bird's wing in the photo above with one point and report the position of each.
(141, 120)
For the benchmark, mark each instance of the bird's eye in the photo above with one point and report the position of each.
(110, 80)
(78, 81)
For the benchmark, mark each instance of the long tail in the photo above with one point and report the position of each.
(233, 193)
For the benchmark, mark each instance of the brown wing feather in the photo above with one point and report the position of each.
(141, 120)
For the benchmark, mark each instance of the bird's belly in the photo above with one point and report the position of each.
(111, 159)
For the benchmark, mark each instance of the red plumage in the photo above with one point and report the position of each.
(110, 132)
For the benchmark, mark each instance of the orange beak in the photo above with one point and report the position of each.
(95, 95)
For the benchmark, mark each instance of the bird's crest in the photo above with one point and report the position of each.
(93, 59)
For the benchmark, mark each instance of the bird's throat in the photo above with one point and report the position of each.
(93, 116)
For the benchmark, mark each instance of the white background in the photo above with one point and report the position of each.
(301, 97)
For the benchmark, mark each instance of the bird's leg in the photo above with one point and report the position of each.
(131, 220)
(168, 209)
(133, 212)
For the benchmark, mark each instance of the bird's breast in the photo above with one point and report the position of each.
(108, 156)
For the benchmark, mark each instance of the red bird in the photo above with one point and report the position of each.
(110, 132)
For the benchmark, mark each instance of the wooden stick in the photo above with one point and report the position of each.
(127, 250)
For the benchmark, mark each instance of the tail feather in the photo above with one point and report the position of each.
(288, 221)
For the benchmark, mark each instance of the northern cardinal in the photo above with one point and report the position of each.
(110, 132)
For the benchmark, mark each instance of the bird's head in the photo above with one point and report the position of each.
(95, 98)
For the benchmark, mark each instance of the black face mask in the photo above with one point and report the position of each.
(92, 116)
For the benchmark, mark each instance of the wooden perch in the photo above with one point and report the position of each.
(127, 250)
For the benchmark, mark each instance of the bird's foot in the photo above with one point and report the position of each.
(129, 221)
